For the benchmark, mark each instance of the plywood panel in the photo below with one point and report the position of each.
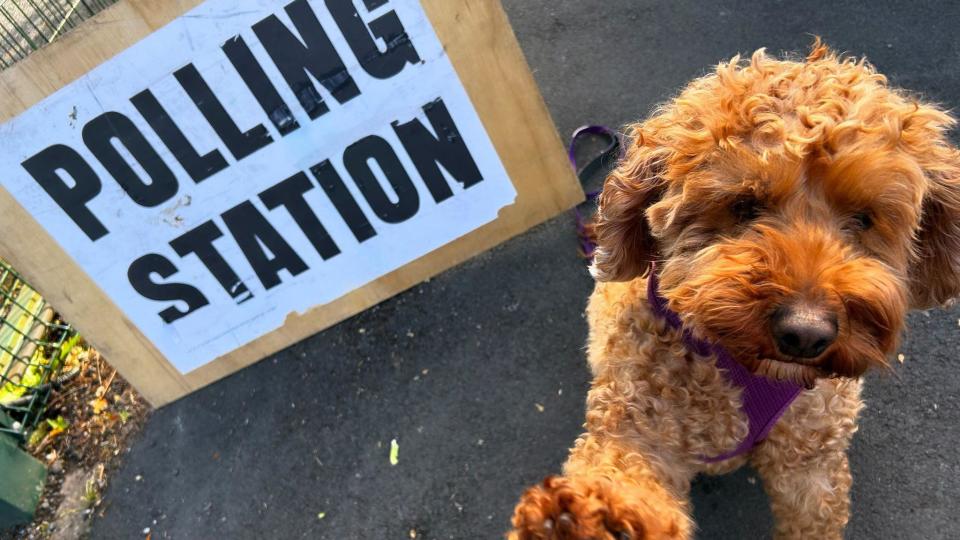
(480, 43)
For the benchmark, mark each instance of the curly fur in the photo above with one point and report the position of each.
(766, 183)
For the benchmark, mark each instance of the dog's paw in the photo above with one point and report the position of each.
(588, 508)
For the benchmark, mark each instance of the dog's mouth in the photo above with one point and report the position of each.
(805, 374)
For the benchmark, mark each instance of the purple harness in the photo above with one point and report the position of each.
(763, 400)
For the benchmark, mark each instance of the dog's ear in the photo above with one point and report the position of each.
(935, 275)
(625, 247)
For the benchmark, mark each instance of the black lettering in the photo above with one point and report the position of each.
(199, 241)
(140, 275)
(259, 84)
(340, 196)
(315, 54)
(73, 200)
(240, 143)
(198, 167)
(99, 134)
(398, 51)
(356, 158)
(447, 149)
(289, 194)
(253, 233)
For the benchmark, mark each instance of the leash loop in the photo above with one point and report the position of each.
(615, 145)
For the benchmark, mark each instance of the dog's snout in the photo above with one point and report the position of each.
(803, 331)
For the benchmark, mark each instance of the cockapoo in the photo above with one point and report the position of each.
(778, 217)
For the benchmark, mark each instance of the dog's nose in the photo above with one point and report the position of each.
(803, 331)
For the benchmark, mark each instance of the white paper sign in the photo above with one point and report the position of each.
(253, 159)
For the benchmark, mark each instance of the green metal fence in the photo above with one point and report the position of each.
(33, 340)
(27, 25)
(33, 345)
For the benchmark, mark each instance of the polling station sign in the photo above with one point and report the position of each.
(211, 183)
(253, 159)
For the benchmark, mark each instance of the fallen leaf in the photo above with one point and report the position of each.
(394, 452)
(59, 423)
(901, 357)
(539, 407)
(98, 405)
(321, 515)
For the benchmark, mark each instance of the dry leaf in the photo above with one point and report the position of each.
(394, 452)
(98, 405)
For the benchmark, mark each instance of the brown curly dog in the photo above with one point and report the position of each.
(795, 211)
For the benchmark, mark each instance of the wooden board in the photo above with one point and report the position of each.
(479, 42)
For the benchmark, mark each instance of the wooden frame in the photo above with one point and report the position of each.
(482, 48)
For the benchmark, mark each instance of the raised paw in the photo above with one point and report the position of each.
(588, 508)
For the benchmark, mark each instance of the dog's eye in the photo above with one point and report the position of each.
(745, 209)
(862, 221)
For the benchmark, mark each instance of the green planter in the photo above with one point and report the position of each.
(21, 483)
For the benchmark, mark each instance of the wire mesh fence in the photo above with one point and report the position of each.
(33, 345)
(34, 342)
(27, 25)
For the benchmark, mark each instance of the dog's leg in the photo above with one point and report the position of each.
(809, 499)
(803, 462)
(607, 493)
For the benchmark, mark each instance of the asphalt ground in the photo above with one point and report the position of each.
(479, 374)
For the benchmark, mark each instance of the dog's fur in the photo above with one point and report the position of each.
(765, 182)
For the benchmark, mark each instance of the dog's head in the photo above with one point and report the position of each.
(796, 211)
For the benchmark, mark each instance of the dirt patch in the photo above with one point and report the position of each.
(72, 519)
(88, 427)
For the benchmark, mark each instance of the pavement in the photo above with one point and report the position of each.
(479, 374)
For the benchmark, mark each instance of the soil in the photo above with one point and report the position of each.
(102, 415)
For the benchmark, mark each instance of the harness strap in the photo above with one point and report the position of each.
(763, 400)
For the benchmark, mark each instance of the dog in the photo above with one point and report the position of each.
(787, 213)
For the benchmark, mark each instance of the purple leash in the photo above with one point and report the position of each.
(763, 400)
(586, 244)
